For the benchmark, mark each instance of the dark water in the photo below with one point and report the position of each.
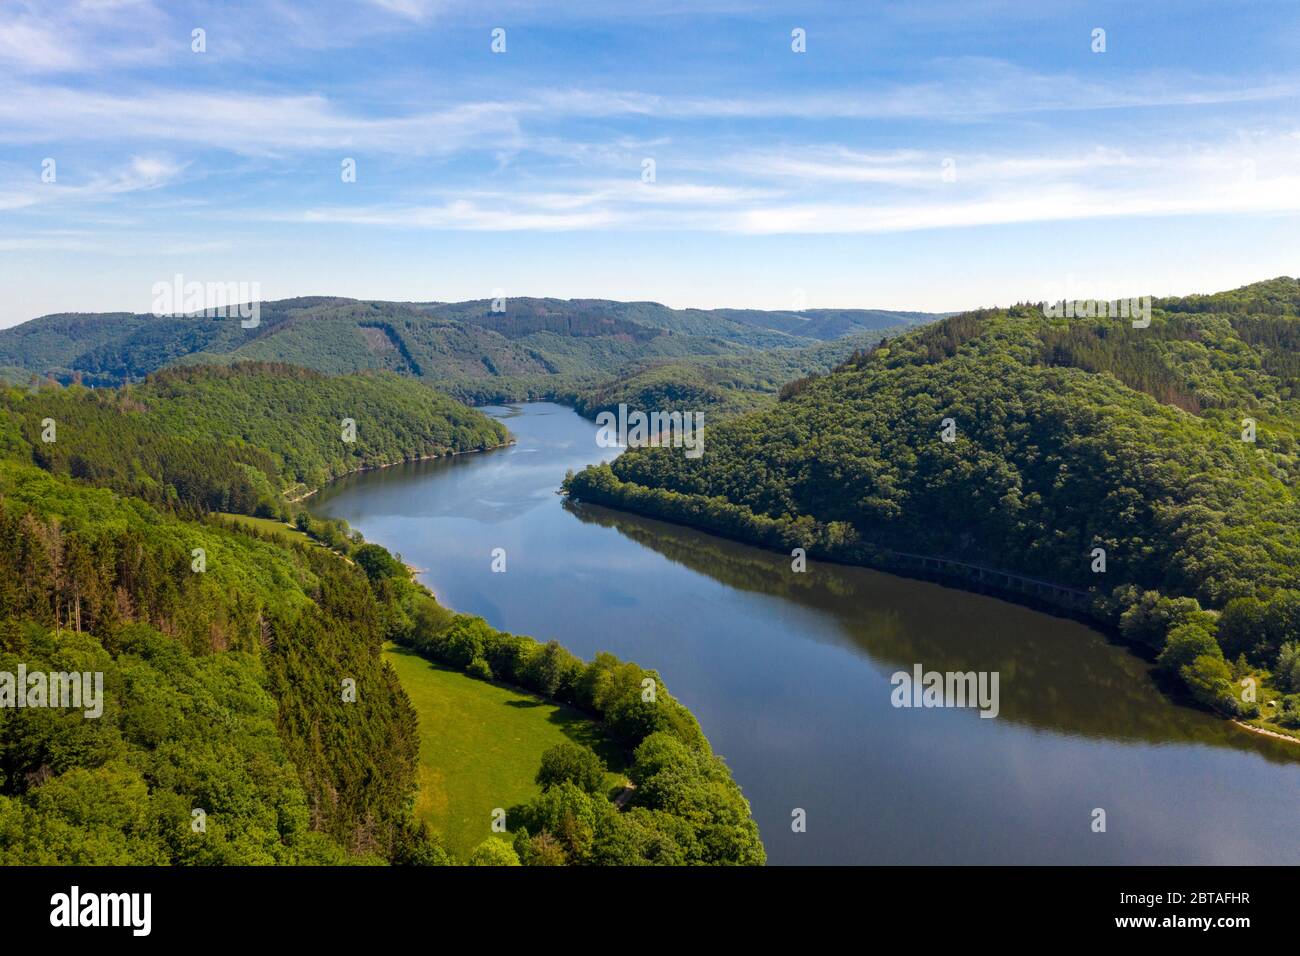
(789, 675)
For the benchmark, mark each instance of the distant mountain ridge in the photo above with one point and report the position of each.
(531, 346)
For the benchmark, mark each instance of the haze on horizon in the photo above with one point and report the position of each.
(921, 158)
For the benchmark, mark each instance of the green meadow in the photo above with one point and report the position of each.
(481, 744)
(268, 526)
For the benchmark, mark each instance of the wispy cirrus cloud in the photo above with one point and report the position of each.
(246, 123)
(1280, 195)
(261, 123)
(410, 9)
(80, 36)
(897, 192)
(959, 89)
(28, 44)
(140, 173)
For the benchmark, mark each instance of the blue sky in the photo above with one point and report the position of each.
(1169, 163)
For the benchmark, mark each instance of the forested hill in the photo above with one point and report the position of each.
(221, 691)
(236, 438)
(248, 715)
(1067, 435)
(524, 347)
(718, 385)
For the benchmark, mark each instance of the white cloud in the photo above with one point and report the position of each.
(141, 173)
(246, 123)
(960, 90)
(90, 35)
(29, 45)
(411, 9)
(461, 214)
(899, 192)
(837, 165)
(268, 123)
(1052, 203)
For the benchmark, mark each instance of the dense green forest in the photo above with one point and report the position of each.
(249, 716)
(718, 385)
(223, 691)
(236, 438)
(1014, 441)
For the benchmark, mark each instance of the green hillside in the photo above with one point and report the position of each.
(1068, 435)
(237, 438)
(719, 385)
(249, 715)
(222, 691)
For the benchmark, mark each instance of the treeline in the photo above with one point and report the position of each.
(518, 324)
(1006, 439)
(599, 484)
(107, 438)
(1280, 296)
(684, 808)
(396, 419)
(1243, 661)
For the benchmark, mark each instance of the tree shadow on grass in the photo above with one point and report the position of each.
(585, 730)
(578, 726)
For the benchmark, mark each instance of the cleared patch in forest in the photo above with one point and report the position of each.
(481, 744)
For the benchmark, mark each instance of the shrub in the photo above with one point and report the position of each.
(1287, 671)
(1209, 679)
(1150, 620)
(1185, 643)
(494, 851)
(572, 763)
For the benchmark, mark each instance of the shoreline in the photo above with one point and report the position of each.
(958, 582)
(393, 464)
(412, 570)
(1261, 730)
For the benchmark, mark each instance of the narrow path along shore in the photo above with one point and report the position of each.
(1267, 733)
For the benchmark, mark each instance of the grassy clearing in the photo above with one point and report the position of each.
(481, 744)
(270, 525)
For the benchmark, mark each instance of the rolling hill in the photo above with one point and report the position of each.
(1174, 448)
(534, 347)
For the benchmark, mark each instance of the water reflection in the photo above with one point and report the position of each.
(1057, 674)
(789, 676)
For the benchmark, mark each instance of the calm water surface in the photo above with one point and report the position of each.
(789, 676)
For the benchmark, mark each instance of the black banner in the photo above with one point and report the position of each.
(141, 906)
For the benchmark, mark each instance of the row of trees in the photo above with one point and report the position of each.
(685, 807)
